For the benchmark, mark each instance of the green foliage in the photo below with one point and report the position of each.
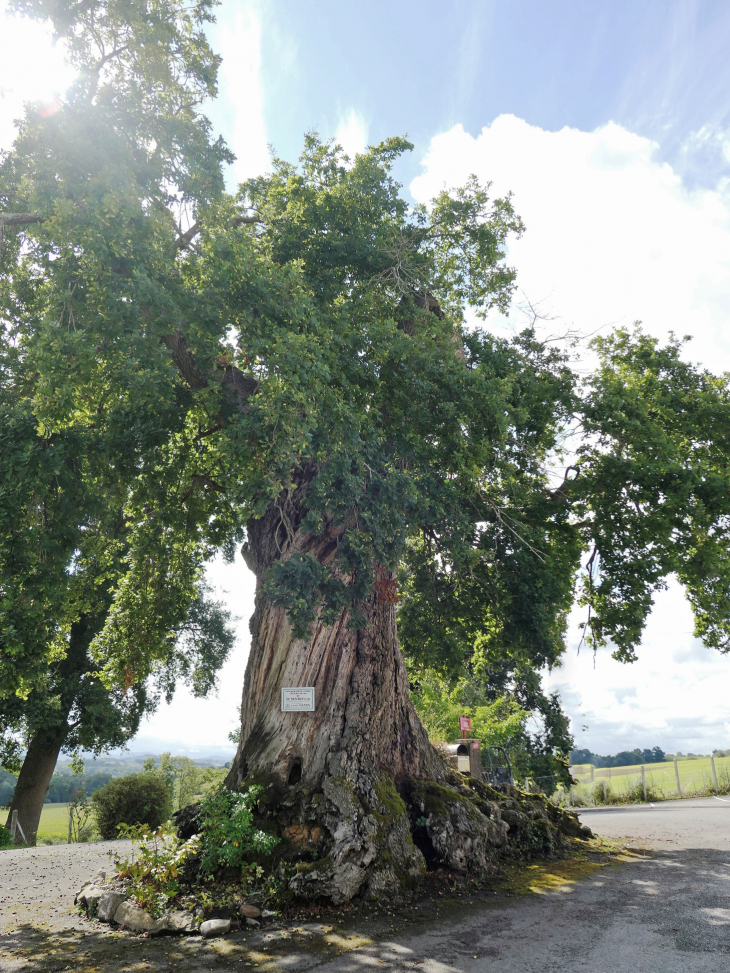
(299, 363)
(652, 480)
(626, 758)
(154, 870)
(507, 708)
(183, 778)
(439, 704)
(136, 799)
(6, 839)
(229, 837)
(80, 812)
(62, 786)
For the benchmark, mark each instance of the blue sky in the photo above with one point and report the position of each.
(611, 124)
(661, 68)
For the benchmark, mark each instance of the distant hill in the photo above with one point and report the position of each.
(97, 772)
(131, 764)
(626, 758)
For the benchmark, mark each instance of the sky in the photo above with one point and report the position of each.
(610, 124)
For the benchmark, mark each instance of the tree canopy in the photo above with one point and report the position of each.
(184, 362)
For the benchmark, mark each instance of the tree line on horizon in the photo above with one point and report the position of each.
(625, 758)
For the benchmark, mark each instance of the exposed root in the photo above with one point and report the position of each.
(367, 838)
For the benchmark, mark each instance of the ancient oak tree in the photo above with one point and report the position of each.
(300, 367)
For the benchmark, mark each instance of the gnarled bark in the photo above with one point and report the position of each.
(361, 797)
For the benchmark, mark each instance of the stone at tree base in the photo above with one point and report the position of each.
(187, 821)
(108, 905)
(131, 916)
(175, 922)
(89, 897)
(215, 927)
(249, 911)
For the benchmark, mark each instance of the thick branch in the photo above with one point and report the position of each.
(20, 219)
(239, 387)
(186, 238)
(186, 364)
(563, 491)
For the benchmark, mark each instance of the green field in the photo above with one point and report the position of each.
(695, 778)
(54, 823)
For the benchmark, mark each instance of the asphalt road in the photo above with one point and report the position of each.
(666, 909)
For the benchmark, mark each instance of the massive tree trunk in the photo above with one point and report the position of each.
(34, 780)
(359, 794)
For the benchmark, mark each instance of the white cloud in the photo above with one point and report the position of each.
(32, 68)
(674, 696)
(613, 235)
(203, 724)
(237, 38)
(352, 133)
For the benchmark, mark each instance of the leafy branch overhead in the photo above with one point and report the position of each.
(296, 357)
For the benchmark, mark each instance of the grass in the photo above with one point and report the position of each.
(53, 825)
(623, 784)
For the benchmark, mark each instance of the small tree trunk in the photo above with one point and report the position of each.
(46, 742)
(34, 780)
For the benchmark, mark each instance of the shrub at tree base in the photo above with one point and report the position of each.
(229, 834)
(136, 799)
(160, 871)
(6, 839)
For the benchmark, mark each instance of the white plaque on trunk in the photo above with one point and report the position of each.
(298, 699)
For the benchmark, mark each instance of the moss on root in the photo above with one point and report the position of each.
(370, 838)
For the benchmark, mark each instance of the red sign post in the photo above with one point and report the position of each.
(464, 725)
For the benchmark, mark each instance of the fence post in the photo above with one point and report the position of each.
(70, 823)
(676, 774)
(572, 798)
(643, 781)
(605, 798)
(714, 772)
(16, 826)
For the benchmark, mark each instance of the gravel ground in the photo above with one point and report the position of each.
(664, 908)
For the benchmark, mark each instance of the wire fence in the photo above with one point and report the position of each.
(669, 780)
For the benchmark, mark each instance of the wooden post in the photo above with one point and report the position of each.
(676, 774)
(70, 823)
(15, 827)
(643, 781)
(714, 773)
(572, 797)
(605, 797)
